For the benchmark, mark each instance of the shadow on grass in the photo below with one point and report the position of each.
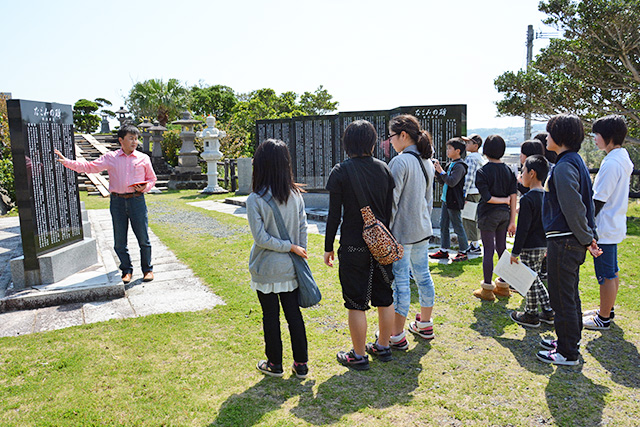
(198, 196)
(619, 357)
(385, 385)
(269, 394)
(524, 351)
(491, 317)
(573, 399)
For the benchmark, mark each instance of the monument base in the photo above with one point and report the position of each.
(187, 181)
(214, 190)
(55, 265)
(90, 284)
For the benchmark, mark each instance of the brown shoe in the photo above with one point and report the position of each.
(126, 278)
(148, 276)
(485, 292)
(502, 289)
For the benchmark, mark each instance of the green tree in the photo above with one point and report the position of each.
(6, 159)
(594, 70)
(155, 98)
(217, 100)
(84, 119)
(102, 103)
(318, 103)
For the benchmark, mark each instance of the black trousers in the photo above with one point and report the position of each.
(565, 255)
(271, 325)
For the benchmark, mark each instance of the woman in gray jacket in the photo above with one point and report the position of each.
(413, 175)
(272, 274)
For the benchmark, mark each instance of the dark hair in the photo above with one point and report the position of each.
(551, 156)
(127, 129)
(458, 144)
(494, 147)
(272, 170)
(612, 129)
(566, 130)
(539, 164)
(409, 124)
(531, 147)
(359, 138)
(476, 138)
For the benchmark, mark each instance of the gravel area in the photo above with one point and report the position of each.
(192, 222)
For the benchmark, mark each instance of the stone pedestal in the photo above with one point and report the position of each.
(187, 181)
(55, 265)
(245, 173)
(188, 155)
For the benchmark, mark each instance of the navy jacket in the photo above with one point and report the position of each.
(567, 207)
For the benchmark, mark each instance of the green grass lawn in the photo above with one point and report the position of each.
(199, 368)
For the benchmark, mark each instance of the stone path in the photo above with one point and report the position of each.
(175, 288)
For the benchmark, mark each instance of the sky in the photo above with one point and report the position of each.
(370, 55)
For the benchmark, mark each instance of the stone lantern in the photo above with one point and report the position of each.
(144, 126)
(104, 125)
(122, 116)
(156, 136)
(211, 154)
(188, 155)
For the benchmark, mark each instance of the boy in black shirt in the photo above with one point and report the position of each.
(530, 243)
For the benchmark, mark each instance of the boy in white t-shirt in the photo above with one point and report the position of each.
(611, 199)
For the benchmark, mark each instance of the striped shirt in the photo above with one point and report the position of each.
(124, 170)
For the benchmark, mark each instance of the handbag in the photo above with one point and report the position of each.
(383, 246)
(309, 293)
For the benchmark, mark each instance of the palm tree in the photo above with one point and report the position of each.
(155, 98)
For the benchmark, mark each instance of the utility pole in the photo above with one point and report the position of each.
(527, 117)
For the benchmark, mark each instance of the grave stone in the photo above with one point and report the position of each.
(51, 223)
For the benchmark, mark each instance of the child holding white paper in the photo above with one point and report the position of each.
(530, 243)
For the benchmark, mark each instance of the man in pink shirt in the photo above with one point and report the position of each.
(130, 176)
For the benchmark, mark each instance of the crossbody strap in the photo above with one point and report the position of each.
(424, 170)
(354, 177)
(282, 230)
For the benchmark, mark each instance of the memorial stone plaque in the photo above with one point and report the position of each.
(46, 192)
(315, 142)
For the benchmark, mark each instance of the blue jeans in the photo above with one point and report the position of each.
(416, 259)
(565, 255)
(455, 217)
(132, 210)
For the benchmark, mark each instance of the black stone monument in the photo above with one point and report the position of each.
(46, 192)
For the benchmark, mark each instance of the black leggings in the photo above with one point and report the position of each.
(271, 325)
(492, 241)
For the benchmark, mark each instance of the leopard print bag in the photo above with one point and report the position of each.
(383, 246)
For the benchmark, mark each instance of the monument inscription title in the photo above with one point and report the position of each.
(46, 192)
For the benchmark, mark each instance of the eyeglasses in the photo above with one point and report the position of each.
(391, 136)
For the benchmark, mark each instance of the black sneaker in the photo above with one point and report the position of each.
(547, 317)
(474, 250)
(301, 370)
(384, 354)
(350, 360)
(525, 319)
(555, 358)
(270, 369)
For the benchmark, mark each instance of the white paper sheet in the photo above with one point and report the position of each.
(469, 210)
(519, 276)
